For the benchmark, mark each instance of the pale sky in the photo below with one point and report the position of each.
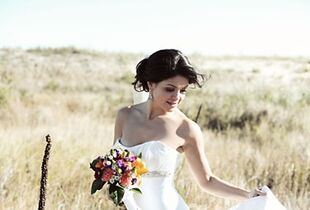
(217, 27)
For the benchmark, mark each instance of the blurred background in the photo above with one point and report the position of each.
(211, 27)
(66, 67)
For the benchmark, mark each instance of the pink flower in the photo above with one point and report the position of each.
(107, 174)
(125, 179)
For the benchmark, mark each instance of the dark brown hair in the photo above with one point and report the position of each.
(162, 65)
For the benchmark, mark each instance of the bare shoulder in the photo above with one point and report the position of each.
(194, 139)
(192, 129)
(127, 111)
(123, 112)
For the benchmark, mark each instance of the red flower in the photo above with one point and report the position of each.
(107, 174)
(125, 179)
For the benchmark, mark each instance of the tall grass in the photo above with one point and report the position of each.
(255, 120)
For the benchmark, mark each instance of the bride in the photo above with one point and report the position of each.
(161, 132)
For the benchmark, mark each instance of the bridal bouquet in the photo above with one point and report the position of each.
(121, 170)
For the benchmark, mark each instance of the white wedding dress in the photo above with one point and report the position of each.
(268, 202)
(157, 186)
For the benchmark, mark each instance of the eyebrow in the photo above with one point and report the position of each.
(176, 86)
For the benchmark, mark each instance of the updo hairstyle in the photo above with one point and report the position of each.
(162, 65)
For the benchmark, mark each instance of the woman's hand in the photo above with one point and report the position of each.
(256, 192)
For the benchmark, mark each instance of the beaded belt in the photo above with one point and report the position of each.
(157, 173)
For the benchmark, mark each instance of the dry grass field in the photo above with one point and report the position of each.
(255, 118)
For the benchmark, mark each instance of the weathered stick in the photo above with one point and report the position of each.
(44, 171)
(198, 113)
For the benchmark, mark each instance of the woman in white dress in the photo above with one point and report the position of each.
(159, 130)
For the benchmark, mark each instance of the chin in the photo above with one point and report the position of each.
(169, 107)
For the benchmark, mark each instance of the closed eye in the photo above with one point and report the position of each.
(169, 89)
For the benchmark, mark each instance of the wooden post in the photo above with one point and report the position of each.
(44, 171)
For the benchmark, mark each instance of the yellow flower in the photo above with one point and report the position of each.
(140, 167)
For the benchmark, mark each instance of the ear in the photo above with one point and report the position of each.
(151, 85)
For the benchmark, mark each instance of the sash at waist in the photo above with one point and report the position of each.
(158, 174)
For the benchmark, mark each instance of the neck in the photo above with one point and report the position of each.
(153, 111)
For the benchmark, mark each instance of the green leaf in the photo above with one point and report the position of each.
(116, 193)
(97, 185)
(120, 195)
(113, 195)
(112, 188)
(93, 164)
(136, 190)
(140, 155)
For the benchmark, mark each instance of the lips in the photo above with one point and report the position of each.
(172, 103)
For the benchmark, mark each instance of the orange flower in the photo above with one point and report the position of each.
(140, 167)
(99, 164)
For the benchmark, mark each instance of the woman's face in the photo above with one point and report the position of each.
(168, 93)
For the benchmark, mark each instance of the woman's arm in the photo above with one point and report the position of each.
(196, 159)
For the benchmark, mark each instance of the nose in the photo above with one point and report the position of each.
(176, 95)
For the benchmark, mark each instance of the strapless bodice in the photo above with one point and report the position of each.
(159, 158)
(157, 186)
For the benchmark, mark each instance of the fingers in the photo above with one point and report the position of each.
(257, 192)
